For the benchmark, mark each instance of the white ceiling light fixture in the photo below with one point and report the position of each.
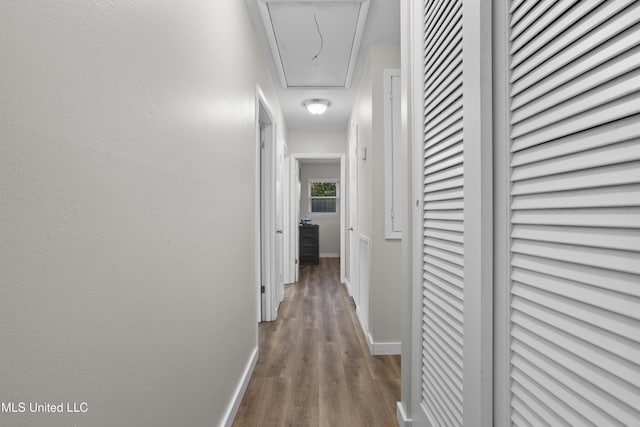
(316, 106)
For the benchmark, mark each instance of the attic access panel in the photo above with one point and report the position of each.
(314, 43)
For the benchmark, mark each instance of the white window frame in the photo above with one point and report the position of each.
(393, 157)
(337, 197)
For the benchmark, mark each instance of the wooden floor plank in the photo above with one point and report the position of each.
(314, 367)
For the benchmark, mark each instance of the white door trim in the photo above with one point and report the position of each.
(281, 177)
(417, 413)
(392, 143)
(292, 225)
(264, 112)
(478, 213)
(501, 213)
(352, 149)
(327, 156)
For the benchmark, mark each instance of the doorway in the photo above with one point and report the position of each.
(296, 213)
(268, 254)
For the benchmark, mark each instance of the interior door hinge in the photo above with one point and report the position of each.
(262, 289)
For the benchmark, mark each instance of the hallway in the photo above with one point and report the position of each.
(486, 207)
(314, 367)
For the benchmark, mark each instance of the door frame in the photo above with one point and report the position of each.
(296, 157)
(281, 178)
(353, 285)
(265, 226)
(291, 263)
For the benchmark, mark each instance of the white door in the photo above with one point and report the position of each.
(352, 229)
(572, 193)
(278, 257)
(267, 210)
(264, 225)
(443, 285)
(296, 207)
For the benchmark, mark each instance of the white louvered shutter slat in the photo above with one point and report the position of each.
(541, 61)
(538, 25)
(443, 192)
(611, 49)
(591, 197)
(575, 213)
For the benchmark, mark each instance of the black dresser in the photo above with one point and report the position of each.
(309, 244)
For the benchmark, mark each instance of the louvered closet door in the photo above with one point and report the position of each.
(575, 212)
(443, 291)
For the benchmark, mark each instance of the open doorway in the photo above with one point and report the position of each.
(269, 235)
(327, 211)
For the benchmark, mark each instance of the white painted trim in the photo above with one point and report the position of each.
(310, 198)
(281, 170)
(389, 233)
(416, 80)
(286, 215)
(294, 219)
(258, 213)
(352, 231)
(232, 409)
(363, 328)
(273, 44)
(386, 348)
(348, 286)
(343, 218)
(406, 288)
(270, 307)
(364, 300)
(340, 157)
(478, 213)
(401, 416)
(377, 348)
(369, 340)
(330, 255)
(357, 40)
(502, 240)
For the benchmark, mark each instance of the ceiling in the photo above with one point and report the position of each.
(323, 60)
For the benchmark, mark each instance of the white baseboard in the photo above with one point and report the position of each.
(329, 255)
(370, 343)
(232, 409)
(364, 329)
(348, 286)
(378, 348)
(401, 415)
(386, 348)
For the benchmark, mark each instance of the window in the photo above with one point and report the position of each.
(323, 196)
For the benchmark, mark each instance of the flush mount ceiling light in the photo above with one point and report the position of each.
(317, 106)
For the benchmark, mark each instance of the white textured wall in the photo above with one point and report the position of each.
(317, 142)
(126, 208)
(385, 275)
(329, 232)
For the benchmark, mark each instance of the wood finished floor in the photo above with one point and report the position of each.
(314, 368)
